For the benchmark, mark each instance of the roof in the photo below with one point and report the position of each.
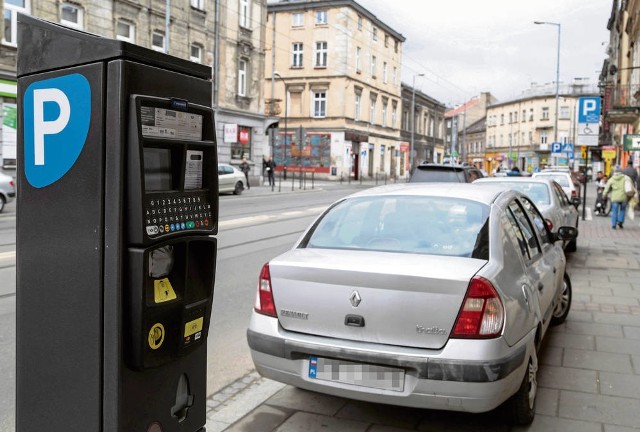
(294, 5)
(462, 108)
(479, 193)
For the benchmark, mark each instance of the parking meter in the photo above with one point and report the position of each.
(117, 212)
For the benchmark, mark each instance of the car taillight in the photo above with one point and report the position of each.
(264, 298)
(482, 313)
(574, 194)
(549, 224)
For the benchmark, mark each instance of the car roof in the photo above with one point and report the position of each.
(445, 166)
(514, 179)
(483, 194)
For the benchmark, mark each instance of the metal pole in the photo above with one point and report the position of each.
(555, 131)
(413, 120)
(167, 22)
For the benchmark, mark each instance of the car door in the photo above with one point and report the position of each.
(552, 261)
(569, 212)
(225, 180)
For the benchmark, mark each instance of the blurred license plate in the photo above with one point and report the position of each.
(365, 375)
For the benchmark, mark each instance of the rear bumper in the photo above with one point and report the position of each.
(466, 375)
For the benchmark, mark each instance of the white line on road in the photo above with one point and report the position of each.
(252, 220)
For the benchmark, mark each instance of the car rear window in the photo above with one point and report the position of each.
(410, 224)
(423, 175)
(562, 179)
(538, 192)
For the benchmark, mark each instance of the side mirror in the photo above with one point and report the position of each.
(566, 233)
(576, 202)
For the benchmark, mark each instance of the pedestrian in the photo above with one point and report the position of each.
(244, 167)
(270, 167)
(631, 172)
(615, 188)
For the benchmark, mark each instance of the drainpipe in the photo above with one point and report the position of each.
(216, 53)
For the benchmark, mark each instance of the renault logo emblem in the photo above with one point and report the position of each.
(355, 299)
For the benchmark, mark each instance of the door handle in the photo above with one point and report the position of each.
(540, 286)
(525, 288)
(554, 270)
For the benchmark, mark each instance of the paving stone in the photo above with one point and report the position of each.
(547, 401)
(613, 428)
(624, 385)
(298, 399)
(441, 421)
(549, 355)
(635, 360)
(631, 332)
(565, 378)
(602, 409)
(264, 418)
(307, 422)
(594, 360)
(564, 340)
(619, 319)
(543, 423)
(387, 415)
(594, 329)
(617, 345)
(630, 301)
(576, 315)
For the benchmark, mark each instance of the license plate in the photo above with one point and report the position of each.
(365, 375)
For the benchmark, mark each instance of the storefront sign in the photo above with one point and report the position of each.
(631, 142)
(243, 136)
(230, 133)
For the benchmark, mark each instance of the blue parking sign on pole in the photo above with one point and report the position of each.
(589, 110)
(556, 147)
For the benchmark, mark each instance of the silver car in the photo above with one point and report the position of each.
(230, 179)
(7, 190)
(548, 196)
(423, 295)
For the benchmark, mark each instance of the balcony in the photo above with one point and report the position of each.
(622, 103)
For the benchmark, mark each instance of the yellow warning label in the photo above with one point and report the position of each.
(193, 327)
(156, 336)
(163, 291)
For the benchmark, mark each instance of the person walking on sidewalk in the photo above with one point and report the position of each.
(270, 167)
(245, 168)
(615, 187)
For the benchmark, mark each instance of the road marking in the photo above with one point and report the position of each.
(7, 255)
(252, 220)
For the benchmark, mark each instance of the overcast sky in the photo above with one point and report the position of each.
(465, 47)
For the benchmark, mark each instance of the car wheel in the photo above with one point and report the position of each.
(572, 246)
(562, 308)
(238, 189)
(2, 202)
(523, 403)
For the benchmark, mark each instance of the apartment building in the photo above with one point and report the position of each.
(474, 140)
(520, 131)
(459, 119)
(334, 78)
(227, 35)
(427, 127)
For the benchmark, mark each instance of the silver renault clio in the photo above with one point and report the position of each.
(433, 295)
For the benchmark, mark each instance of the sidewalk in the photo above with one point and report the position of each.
(589, 376)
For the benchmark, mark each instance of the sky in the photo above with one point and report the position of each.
(465, 47)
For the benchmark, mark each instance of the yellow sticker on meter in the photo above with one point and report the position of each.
(156, 336)
(193, 327)
(163, 291)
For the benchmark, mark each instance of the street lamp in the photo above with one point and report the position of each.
(413, 119)
(284, 145)
(555, 130)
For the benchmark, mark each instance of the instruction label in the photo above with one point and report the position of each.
(166, 123)
(156, 336)
(163, 291)
(193, 169)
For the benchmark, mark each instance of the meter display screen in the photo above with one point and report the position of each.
(157, 169)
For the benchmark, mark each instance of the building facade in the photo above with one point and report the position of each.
(520, 131)
(427, 125)
(458, 119)
(334, 78)
(473, 139)
(227, 35)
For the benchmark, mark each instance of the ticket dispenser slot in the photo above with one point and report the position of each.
(172, 203)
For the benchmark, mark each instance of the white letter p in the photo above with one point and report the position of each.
(42, 127)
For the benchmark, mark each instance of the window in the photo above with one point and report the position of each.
(525, 232)
(531, 114)
(373, 66)
(539, 225)
(197, 4)
(358, 53)
(321, 54)
(245, 14)
(501, 119)
(358, 106)
(296, 55)
(11, 10)
(395, 75)
(242, 78)
(510, 118)
(515, 116)
(545, 113)
(372, 111)
(359, 23)
(374, 34)
(386, 40)
(297, 20)
(196, 53)
(321, 18)
(319, 104)
(543, 136)
(72, 16)
(564, 112)
(524, 115)
(384, 72)
(394, 115)
(384, 113)
(157, 41)
(125, 31)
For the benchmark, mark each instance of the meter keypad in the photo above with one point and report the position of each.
(168, 214)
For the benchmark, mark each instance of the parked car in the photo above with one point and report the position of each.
(431, 172)
(548, 196)
(423, 295)
(230, 179)
(566, 181)
(7, 190)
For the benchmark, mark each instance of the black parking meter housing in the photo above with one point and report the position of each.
(117, 213)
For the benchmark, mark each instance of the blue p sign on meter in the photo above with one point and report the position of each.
(589, 110)
(57, 113)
